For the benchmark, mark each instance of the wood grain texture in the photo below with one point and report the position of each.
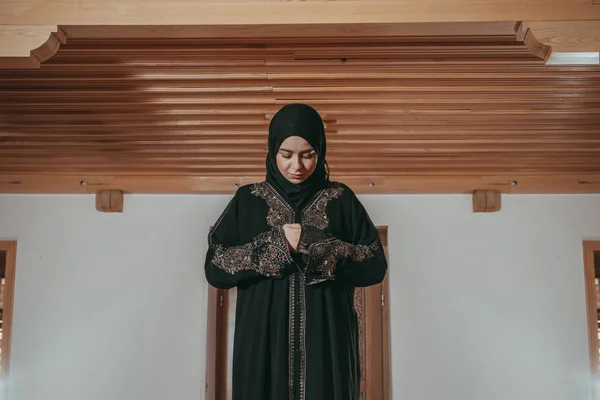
(589, 250)
(431, 114)
(213, 334)
(278, 31)
(109, 201)
(528, 37)
(385, 320)
(9, 248)
(486, 201)
(182, 12)
(570, 36)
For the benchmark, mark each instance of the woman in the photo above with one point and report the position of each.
(295, 246)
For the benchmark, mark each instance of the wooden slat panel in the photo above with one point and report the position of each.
(447, 109)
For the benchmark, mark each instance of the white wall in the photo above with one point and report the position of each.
(484, 306)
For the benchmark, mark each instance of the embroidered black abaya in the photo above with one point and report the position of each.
(296, 330)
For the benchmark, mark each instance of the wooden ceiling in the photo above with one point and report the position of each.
(431, 114)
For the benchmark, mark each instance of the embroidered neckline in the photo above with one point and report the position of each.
(313, 199)
(281, 212)
(315, 212)
(281, 199)
(308, 205)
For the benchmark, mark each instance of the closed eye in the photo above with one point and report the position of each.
(307, 154)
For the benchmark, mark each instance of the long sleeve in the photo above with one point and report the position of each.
(358, 262)
(229, 263)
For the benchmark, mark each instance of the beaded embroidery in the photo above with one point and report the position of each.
(325, 255)
(280, 212)
(315, 213)
(266, 254)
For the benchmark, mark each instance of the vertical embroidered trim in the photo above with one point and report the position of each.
(297, 338)
(280, 212)
(315, 212)
(292, 338)
(302, 338)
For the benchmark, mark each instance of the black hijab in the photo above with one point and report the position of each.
(304, 121)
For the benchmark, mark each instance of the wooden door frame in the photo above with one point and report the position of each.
(8, 300)
(589, 247)
(385, 320)
(216, 327)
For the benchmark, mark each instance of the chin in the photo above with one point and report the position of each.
(296, 180)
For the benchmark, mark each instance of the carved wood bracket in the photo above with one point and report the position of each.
(109, 201)
(28, 46)
(486, 201)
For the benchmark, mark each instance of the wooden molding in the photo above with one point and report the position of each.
(109, 201)
(486, 201)
(28, 46)
(383, 184)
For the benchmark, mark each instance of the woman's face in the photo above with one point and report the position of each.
(296, 159)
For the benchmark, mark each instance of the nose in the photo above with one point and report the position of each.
(296, 164)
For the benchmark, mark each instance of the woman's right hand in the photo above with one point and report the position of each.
(292, 234)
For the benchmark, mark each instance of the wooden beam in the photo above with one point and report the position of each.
(388, 184)
(28, 46)
(278, 31)
(109, 201)
(486, 201)
(211, 12)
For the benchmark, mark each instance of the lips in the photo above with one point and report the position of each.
(296, 176)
